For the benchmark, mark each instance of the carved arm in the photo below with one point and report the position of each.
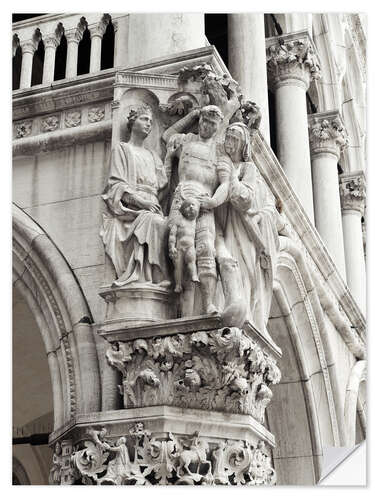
(181, 125)
(172, 242)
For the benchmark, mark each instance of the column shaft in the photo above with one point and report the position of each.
(292, 63)
(247, 60)
(327, 206)
(293, 141)
(49, 64)
(95, 55)
(26, 69)
(328, 138)
(352, 191)
(354, 256)
(72, 58)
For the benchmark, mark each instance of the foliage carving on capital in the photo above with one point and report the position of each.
(139, 458)
(353, 192)
(221, 370)
(292, 59)
(327, 134)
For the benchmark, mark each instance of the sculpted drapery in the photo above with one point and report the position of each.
(134, 231)
(249, 220)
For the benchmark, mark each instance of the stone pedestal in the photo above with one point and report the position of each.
(292, 63)
(194, 397)
(138, 303)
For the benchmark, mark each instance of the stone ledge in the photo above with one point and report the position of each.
(115, 331)
(164, 419)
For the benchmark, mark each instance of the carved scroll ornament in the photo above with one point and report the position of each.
(142, 459)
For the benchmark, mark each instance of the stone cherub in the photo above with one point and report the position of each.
(182, 242)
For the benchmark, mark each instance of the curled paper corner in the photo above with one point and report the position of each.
(344, 466)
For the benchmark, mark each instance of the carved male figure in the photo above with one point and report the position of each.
(182, 242)
(199, 178)
(134, 233)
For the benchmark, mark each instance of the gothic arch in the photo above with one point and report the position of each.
(305, 396)
(45, 280)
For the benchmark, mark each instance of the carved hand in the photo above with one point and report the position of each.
(150, 205)
(206, 202)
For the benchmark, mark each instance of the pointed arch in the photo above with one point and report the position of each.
(43, 277)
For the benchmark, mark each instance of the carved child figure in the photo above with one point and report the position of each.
(182, 242)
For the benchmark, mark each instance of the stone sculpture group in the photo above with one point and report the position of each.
(216, 245)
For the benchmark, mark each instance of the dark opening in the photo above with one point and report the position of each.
(22, 17)
(17, 62)
(272, 120)
(216, 30)
(108, 47)
(38, 61)
(60, 59)
(84, 49)
(311, 107)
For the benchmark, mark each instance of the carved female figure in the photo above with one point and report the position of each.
(134, 233)
(250, 225)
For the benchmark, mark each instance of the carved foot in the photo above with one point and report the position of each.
(211, 309)
(178, 289)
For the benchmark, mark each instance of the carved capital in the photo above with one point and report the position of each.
(292, 57)
(353, 191)
(51, 41)
(99, 28)
(29, 46)
(74, 35)
(219, 370)
(327, 133)
(140, 458)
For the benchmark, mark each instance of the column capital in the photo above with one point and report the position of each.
(327, 133)
(353, 191)
(29, 46)
(98, 29)
(51, 41)
(73, 35)
(292, 58)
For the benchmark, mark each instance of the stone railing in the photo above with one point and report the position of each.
(50, 29)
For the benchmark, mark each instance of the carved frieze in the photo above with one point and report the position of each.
(221, 370)
(23, 129)
(327, 134)
(50, 123)
(292, 57)
(353, 192)
(95, 115)
(72, 119)
(139, 458)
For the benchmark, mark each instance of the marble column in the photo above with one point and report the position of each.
(353, 193)
(247, 60)
(73, 37)
(96, 32)
(28, 48)
(292, 63)
(50, 45)
(327, 139)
